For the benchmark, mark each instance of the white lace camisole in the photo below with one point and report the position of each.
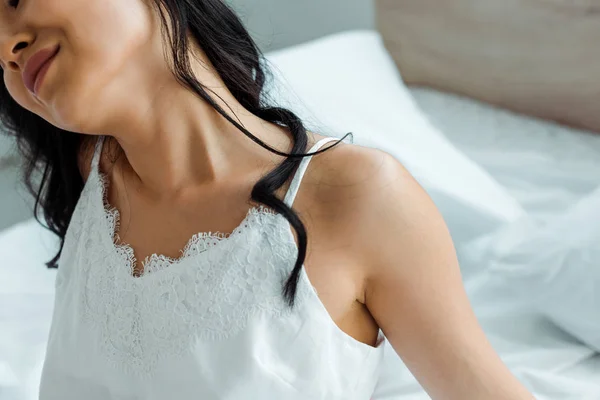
(210, 325)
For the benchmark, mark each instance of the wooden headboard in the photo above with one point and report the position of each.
(537, 57)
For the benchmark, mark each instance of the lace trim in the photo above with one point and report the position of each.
(222, 282)
(198, 243)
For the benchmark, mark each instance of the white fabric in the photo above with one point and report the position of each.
(543, 166)
(552, 266)
(26, 302)
(546, 167)
(212, 324)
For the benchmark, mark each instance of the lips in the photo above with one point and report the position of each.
(36, 67)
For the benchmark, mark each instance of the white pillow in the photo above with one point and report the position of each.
(552, 266)
(348, 82)
(545, 166)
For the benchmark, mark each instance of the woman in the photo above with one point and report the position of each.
(140, 106)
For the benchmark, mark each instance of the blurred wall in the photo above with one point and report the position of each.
(15, 205)
(280, 23)
(273, 23)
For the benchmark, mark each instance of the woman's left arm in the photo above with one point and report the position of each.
(415, 293)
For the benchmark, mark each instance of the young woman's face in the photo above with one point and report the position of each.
(99, 49)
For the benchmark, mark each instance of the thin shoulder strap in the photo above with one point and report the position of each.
(97, 152)
(297, 179)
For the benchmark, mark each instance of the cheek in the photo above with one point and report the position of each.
(102, 42)
(103, 32)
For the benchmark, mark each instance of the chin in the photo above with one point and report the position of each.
(90, 102)
(74, 108)
(70, 113)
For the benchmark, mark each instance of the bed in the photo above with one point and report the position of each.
(468, 155)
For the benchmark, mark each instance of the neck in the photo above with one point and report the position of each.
(177, 141)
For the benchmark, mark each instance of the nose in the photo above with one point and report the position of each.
(11, 51)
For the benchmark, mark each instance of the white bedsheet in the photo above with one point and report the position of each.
(545, 168)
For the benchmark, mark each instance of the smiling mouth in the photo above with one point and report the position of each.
(36, 68)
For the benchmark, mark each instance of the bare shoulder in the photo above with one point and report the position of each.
(408, 274)
(348, 164)
(370, 199)
(357, 181)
